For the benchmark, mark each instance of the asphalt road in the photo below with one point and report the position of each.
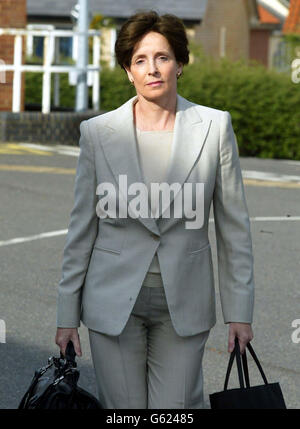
(36, 194)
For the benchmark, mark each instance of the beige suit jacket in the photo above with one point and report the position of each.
(106, 259)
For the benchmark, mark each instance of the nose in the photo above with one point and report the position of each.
(153, 69)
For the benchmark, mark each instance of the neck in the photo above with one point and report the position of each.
(155, 115)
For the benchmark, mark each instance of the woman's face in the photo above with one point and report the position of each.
(153, 60)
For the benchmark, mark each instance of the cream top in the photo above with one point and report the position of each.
(154, 151)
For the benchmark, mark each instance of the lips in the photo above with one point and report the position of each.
(156, 82)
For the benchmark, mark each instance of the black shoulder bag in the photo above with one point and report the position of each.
(54, 386)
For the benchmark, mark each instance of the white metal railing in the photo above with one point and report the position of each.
(47, 68)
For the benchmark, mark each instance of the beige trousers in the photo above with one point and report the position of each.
(149, 365)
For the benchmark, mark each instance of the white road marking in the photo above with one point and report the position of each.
(261, 175)
(274, 218)
(270, 218)
(65, 231)
(247, 174)
(33, 237)
(61, 149)
(290, 162)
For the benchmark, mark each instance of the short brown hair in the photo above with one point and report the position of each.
(138, 25)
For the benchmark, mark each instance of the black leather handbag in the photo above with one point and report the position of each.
(54, 386)
(265, 396)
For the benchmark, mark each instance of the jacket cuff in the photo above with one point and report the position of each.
(68, 311)
(239, 311)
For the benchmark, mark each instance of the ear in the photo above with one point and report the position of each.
(130, 77)
(179, 67)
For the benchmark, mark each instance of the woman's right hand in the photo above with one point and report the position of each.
(64, 335)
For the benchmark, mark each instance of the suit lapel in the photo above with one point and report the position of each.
(119, 145)
(190, 132)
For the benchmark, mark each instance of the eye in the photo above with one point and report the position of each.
(164, 58)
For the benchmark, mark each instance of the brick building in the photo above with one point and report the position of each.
(225, 28)
(266, 36)
(13, 14)
(249, 29)
(292, 23)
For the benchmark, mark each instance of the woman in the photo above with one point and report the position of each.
(136, 270)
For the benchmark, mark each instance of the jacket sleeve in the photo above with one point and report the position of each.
(233, 235)
(81, 235)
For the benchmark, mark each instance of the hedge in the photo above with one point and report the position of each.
(264, 104)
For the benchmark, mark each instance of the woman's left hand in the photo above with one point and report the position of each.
(243, 332)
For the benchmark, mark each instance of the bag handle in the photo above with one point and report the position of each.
(255, 358)
(245, 368)
(69, 354)
(236, 354)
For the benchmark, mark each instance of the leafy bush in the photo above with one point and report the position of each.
(34, 89)
(115, 88)
(264, 104)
